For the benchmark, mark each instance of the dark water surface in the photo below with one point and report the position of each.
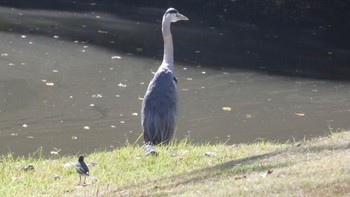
(74, 81)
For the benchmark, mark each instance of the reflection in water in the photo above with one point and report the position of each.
(76, 96)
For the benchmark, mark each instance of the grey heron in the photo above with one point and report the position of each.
(159, 104)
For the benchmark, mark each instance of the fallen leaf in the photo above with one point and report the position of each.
(49, 84)
(240, 177)
(226, 108)
(57, 177)
(268, 172)
(210, 154)
(300, 114)
(122, 85)
(97, 96)
(28, 168)
(138, 49)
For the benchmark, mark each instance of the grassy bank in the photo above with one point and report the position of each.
(317, 167)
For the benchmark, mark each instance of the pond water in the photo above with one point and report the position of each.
(74, 82)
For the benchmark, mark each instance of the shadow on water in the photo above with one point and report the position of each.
(214, 37)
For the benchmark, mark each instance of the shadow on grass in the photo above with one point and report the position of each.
(234, 168)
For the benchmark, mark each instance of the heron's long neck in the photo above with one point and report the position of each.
(168, 57)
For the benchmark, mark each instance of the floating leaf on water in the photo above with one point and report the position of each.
(189, 79)
(226, 108)
(50, 84)
(138, 49)
(11, 64)
(142, 83)
(24, 125)
(23, 36)
(113, 126)
(203, 72)
(30, 42)
(85, 47)
(122, 122)
(74, 137)
(117, 95)
(55, 36)
(185, 68)
(30, 137)
(4, 54)
(140, 98)
(55, 71)
(102, 32)
(185, 89)
(98, 16)
(116, 57)
(197, 51)
(54, 152)
(134, 114)
(122, 85)
(86, 127)
(97, 96)
(249, 116)
(83, 51)
(92, 105)
(300, 114)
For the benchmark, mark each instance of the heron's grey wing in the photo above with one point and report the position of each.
(159, 107)
(161, 90)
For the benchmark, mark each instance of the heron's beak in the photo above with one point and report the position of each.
(182, 17)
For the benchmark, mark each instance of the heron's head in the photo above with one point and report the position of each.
(81, 158)
(175, 15)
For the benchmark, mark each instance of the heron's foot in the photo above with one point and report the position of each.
(150, 150)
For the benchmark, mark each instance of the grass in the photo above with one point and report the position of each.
(317, 167)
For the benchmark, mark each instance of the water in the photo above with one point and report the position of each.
(74, 82)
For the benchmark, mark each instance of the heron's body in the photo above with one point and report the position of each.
(160, 101)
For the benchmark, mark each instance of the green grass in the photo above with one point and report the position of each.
(317, 167)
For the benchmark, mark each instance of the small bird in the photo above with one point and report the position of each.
(82, 168)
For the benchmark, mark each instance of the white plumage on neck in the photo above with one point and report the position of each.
(168, 57)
